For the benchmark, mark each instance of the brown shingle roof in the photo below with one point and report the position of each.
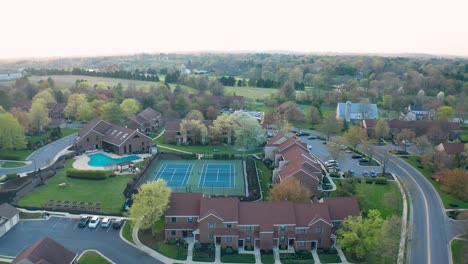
(149, 114)
(8, 211)
(308, 213)
(46, 251)
(184, 204)
(224, 208)
(266, 214)
(342, 207)
(276, 140)
(453, 148)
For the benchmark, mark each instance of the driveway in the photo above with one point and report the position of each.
(42, 157)
(66, 231)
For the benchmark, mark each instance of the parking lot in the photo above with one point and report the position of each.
(346, 162)
(67, 232)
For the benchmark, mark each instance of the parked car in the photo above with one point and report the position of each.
(356, 156)
(309, 147)
(118, 224)
(351, 173)
(312, 137)
(363, 160)
(373, 174)
(365, 174)
(106, 222)
(300, 134)
(94, 222)
(84, 220)
(331, 161)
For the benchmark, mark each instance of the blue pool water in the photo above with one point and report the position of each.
(101, 160)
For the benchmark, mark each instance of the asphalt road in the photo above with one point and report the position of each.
(44, 156)
(65, 231)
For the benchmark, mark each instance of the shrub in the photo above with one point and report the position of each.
(248, 248)
(86, 174)
(283, 247)
(369, 181)
(335, 175)
(11, 176)
(380, 180)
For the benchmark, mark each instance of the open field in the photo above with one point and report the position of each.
(253, 93)
(447, 199)
(108, 192)
(68, 81)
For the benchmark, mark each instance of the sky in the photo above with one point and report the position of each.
(49, 28)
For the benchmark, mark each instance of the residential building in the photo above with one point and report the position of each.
(146, 121)
(45, 251)
(173, 134)
(8, 76)
(356, 112)
(9, 217)
(263, 225)
(99, 134)
(449, 130)
(451, 149)
(55, 111)
(294, 161)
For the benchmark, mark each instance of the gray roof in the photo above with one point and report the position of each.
(150, 114)
(357, 108)
(8, 211)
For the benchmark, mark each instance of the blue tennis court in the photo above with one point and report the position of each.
(217, 175)
(174, 174)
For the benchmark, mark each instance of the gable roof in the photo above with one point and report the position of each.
(8, 211)
(357, 108)
(451, 148)
(277, 140)
(186, 204)
(266, 214)
(299, 159)
(224, 208)
(309, 213)
(46, 251)
(341, 207)
(149, 114)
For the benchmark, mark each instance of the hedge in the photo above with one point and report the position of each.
(10, 157)
(87, 174)
(11, 176)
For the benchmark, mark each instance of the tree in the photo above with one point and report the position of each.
(382, 129)
(216, 88)
(314, 115)
(360, 236)
(46, 95)
(211, 112)
(423, 145)
(387, 101)
(247, 131)
(287, 92)
(112, 113)
(389, 238)
(355, 136)
(222, 129)
(11, 133)
(405, 135)
(86, 112)
(38, 115)
(130, 107)
(22, 117)
(445, 113)
(290, 190)
(194, 115)
(150, 203)
(465, 153)
(331, 125)
(347, 188)
(194, 130)
(74, 101)
(455, 182)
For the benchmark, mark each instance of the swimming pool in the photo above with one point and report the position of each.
(101, 160)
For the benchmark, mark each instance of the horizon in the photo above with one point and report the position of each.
(52, 29)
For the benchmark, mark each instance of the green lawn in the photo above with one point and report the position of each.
(108, 192)
(253, 93)
(329, 258)
(13, 164)
(447, 199)
(24, 215)
(268, 259)
(21, 154)
(91, 257)
(265, 178)
(459, 248)
(208, 149)
(127, 231)
(464, 133)
(238, 258)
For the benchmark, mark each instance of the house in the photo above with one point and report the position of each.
(416, 111)
(293, 160)
(174, 135)
(341, 207)
(99, 134)
(262, 225)
(45, 251)
(451, 149)
(54, 110)
(146, 121)
(420, 127)
(9, 217)
(356, 112)
(8, 76)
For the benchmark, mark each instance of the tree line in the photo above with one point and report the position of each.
(149, 76)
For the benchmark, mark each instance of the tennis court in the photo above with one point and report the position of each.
(215, 177)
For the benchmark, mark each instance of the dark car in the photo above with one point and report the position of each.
(373, 174)
(118, 224)
(363, 160)
(365, 174)
(351, 173)
(84, 220)
(312, 137)
(356, 156)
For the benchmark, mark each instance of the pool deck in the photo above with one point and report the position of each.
(81, 161)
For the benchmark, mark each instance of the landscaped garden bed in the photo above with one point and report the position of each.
(329, 256)
(231, 255)
(300, 257)
(204, 252)
(267, 256)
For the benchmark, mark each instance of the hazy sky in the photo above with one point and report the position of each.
(91, 27)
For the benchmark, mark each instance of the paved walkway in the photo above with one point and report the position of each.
(342, 256)
(315, 256)
(276, 255)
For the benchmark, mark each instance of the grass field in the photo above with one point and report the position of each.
(459, 248)
(127, 231)
(447, 199)
(329, 258)
(253, 93)
(68, 81)
(12, 164)
(108, 192)
(265, 178)
(92, 257)
(194, 180)
(268, 258)
(208, 149)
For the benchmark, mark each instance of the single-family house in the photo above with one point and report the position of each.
(99, 134)
(146, 121)
(356, 112)
(9, 217)
(46, 251)
(261, 225)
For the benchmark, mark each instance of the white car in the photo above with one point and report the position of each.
(94, 222)
(106, 222)
(309, 147)
(331, 162)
